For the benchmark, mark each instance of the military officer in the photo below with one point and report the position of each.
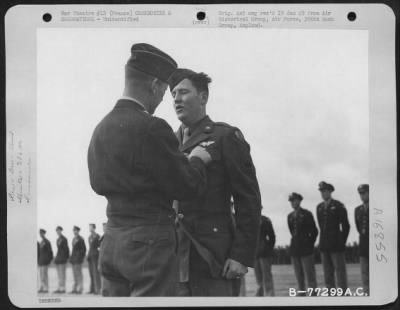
(361, 215)
(264, 256)
(134, 161)
(44, 260)
(76, 259)
(93, 260)
(104, 290)
(334, 229)
(304, 233)
(216, 248)
(61, 259)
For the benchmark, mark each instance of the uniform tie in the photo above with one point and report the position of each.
(186, 135)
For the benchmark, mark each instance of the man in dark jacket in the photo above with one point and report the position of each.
(334, 229)
(214, 253)
(44, 259)
(134, 161)
(264, 255)
(61, 260)
(76, 259)
(93, 260)
(304, 233)
(361, 215)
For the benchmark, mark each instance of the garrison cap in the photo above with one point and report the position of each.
(179, 75)
(362, 188)
(295, 196)
(151, 60)
(325, 186)
(76, 228)
(59, 228)
(42, 231)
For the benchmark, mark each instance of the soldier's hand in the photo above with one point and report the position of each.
(202, 153)
(233, 269)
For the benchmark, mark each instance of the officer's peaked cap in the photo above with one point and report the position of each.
(76, 228)
(325, 186)
(152, 61)
(59, 228)
(42, 231)
(295, 196)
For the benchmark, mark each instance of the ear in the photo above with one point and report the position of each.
(154, 85)
(204, 97)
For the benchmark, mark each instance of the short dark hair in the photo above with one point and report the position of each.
(200, 81)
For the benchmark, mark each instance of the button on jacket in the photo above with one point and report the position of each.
(361, 215)
(304, 232)
(334, 226)
(209, 217)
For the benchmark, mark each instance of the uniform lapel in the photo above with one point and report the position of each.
(178, 135)
(201, 133)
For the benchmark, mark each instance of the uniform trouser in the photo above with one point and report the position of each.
(61, 274)
(333, 264)
(95, 282)
(364, 263)
(78, 278)
(304, 269)
(262, 271)
(140, 260)
(44, 278)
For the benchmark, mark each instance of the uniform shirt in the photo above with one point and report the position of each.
(62, 250)
(266, 241)
(134, 161)
(45, 253)
(230, 174)
(78, 250)
(94, 243)
(333, 225)
(361, 214)
(304, 232)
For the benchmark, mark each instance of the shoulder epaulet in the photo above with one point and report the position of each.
(223, 124)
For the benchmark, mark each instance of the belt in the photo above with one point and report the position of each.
(213, 264)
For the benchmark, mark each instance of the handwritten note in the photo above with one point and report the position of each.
(18, 171)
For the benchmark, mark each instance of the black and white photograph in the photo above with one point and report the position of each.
(202, 162)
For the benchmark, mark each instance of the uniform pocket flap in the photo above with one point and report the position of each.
(150, 238)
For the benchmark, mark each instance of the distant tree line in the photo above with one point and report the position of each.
(282, 256)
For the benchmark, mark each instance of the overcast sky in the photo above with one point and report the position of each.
(300, 98)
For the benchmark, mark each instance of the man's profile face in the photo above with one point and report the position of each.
(91, 228)
(58, 231)
(364, 197)
(326, 194)
(76, 232)
(188, 102)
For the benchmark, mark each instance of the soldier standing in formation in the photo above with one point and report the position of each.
(361, 215)
(45, 256)
(334, 230)
(134, 161)
(264, 256)
(214, 254)
(61, 260)
(103, 288)
(93, 260)
(76, 259)
(304, 233)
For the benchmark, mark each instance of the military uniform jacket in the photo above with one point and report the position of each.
(361, 214)
(94, 244)
(209, 217)
(134, 161)
(334, 226)
(266, 241)
(62, 251)
(78, 250)
(304, 232)
(45, 253)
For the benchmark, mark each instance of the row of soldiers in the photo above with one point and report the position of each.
(334, 229)
(75, 258)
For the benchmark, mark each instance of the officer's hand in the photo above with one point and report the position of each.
(233, 269)
(201, 153)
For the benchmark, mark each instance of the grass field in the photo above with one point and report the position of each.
(283, 279)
